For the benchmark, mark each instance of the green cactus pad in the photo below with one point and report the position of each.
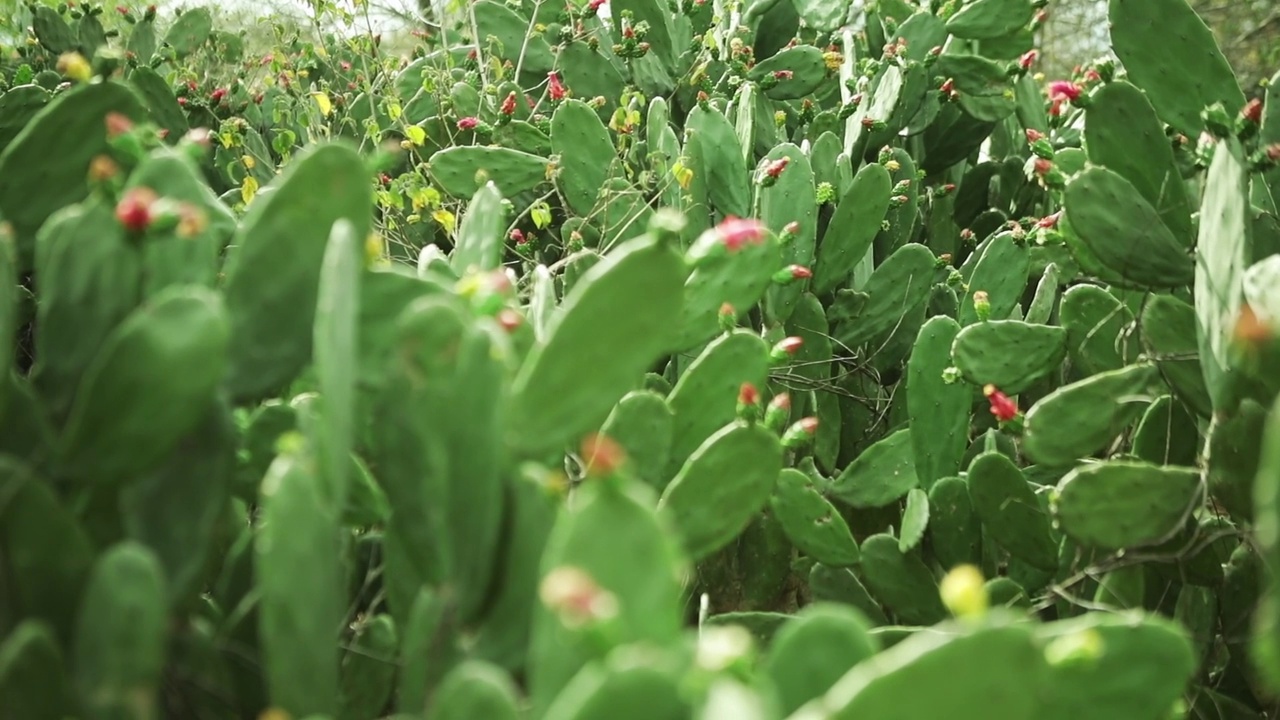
(462, 170)
(899, 284)
(882, 474)
(17, 106)
(130, 392)
(853, 227)
(586, 154)
(841, 585)
(181, 260)
(612, 326)
(790, 199)
(1010, 354)
(970, 673)
(1264, 648)
(90, 277)
(60, 166)
(811, 522)
(987, 19)
(119, 650)
(1114, 666)
(939, 410)
(1079, 419)
(531, 510)
(1099, 329)
(1125, 232)
(273, 276)
(955, 532)
(335, 335)
(915, 520)
(47, 553)
(1001, 272)
(705, 398)
(159, 99)
(33, 678)
(811, 652)
(503, 33)
(190, 31)
(985, 91)
(608, 517)
(728, 180)
(901, 581)
(642, 423)
(1223, 249)
(177, 510)
(368, 671)
(1123, 134)
(1167, 434)
(626, 691)
(738, 279)
(481, 241)
(1170, 53)
(297, 573)
(475, 689)
(1010, 512)
(1124, 504)
(807, 70)
(724, 483)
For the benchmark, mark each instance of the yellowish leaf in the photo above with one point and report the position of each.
(416, 135)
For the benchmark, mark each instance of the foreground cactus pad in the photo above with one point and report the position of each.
(768, 360)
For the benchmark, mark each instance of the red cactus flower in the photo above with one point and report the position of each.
(517, 236)
(1042, 166)
(602, 455)
(468, 123)
(748, 394)
(509, 104)
(1002, 406)
(1060, 92)
(594, 5)
(134, 209)
(737, 233)
(555, 89)
(217, 95)
(775, 168)
(1252, 111)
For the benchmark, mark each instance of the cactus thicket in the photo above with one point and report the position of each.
(779, 359)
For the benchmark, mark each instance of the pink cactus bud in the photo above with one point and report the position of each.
(948, 86)
(1252, 112)
(737, 233)
(1034, 135)
(748, 395)
(1049, 222)
(1042, 166)
(1064, 90)
(1272, 152)
(134, 209)
(799, 272)
(555, 89)
(781, 401)
(800, 433)
(1028, 59)
(117, 124)
(510, 319)
(783, 74)
(787, 347)
(775, 168)
(517, 235)
(1002, 406)
(468, 123)
(509, 104)
(792, 228)
(601, 455)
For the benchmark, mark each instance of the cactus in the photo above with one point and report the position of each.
(690, 359)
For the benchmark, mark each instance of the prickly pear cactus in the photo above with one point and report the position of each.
(776, 360)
